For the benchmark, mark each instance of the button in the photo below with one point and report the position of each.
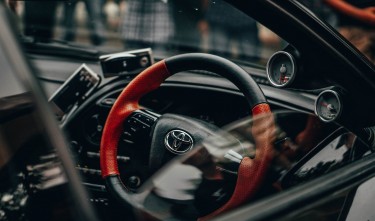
(134, 129)
(128, 141)
(149, 120)
(99, 128)
(133, 122)
(123, 158)
(127, 137)
(134, 182)
(127, 134)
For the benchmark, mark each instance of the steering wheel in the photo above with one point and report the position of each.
(174, 134)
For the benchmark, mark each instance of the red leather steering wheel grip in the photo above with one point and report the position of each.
(251, 171)
(127, 103)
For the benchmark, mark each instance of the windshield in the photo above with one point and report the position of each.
(175, 26)
(167, 26)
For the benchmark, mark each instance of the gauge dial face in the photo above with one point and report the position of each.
(281, 69)
(328, 106)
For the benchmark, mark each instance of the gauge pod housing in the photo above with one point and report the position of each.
(281, 69)
(328, 105)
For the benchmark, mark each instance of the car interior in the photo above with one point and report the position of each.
(126, 115)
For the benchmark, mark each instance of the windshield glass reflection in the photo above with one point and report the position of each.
(243, 163)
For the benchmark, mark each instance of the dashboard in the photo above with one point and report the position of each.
(204, 96)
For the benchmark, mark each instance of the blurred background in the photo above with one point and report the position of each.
(176, 26)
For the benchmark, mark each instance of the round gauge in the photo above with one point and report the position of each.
(281, 69)
(328, 106)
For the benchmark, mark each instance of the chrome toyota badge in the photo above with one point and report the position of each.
(178, 141)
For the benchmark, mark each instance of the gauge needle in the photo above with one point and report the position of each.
(331, 108)
(282, 73)
(283, 69)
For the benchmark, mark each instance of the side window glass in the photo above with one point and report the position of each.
(331, 154)
(350, 19)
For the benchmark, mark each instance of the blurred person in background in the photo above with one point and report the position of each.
(231, 31)
(38, 25)
(323, 11)
(147, 23)
(190, 24)
(111, 14)
(93, 8)
(357, 23)
(12, 4)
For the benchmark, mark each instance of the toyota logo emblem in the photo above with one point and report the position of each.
(178, 141)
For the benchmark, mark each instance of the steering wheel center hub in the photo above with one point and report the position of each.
(178, 141)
